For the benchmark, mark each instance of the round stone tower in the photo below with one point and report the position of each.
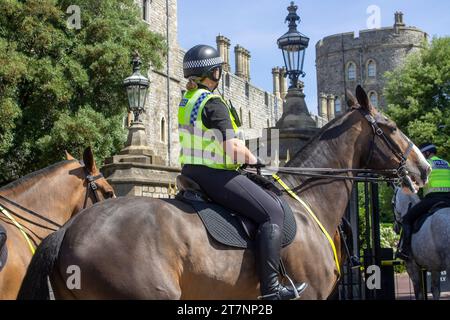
(345, 60)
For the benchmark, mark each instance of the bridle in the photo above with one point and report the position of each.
(401, 172)
(91, 185)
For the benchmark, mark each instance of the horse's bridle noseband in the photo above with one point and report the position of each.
(91, 185)
(401, 172)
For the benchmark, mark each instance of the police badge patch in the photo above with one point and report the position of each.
(183, 102)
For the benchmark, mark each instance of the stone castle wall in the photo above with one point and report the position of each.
(387, 47)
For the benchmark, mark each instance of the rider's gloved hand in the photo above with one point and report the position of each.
(260, 163)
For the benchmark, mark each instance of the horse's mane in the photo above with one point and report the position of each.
(316, 137)
(35, 174)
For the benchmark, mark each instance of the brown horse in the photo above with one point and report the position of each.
(143, 248)
(41, 203)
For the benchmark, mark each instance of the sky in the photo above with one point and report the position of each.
(257, 24)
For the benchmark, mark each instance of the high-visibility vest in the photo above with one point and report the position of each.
(198, 144)
(439, 180)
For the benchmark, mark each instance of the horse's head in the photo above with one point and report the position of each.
(95, 187)
(389, 148)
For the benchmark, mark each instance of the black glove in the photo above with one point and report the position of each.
(260, 163)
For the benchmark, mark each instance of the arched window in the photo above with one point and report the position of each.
(240, 116)
(145, 10)
(371, 69)
(337, 105)
(247, 90)
(249, 119)
(227, 80)
(163, 130)
(373, 97)
(351, 71)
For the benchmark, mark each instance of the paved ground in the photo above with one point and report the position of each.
(404, 289)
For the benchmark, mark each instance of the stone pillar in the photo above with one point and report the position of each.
(227, 54)
(223, 46)
(330, 107)
(398, 21)
(276, 81)
(238, 54)
(247, 71)
(244, 64)
(323, 112)
(283, 83)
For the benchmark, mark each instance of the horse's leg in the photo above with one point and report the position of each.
(436, 284)
(415, 274)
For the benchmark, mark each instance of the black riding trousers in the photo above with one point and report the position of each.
(237, 193)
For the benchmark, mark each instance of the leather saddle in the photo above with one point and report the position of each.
(226, 226)
(421, 220)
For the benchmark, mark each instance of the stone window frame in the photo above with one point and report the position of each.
(347, 71)
(162, 130)
(336, 111)
(370, 95)
(266, 98)
(240, 116)
(227, 79)
(247, 89)
(368, 63)
(146, 10)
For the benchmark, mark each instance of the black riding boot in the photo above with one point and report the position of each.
(268, 262)
(405, 250)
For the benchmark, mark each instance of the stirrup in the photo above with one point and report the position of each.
(297, 293)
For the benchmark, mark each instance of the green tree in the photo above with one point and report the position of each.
(61, 88)
(418, 95)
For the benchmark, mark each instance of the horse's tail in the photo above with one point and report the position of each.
(35, 284)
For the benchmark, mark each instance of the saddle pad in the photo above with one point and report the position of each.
(421, 220)
(224, 227)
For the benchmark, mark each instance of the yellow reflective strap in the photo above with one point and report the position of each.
(21, 229)
(311, 213)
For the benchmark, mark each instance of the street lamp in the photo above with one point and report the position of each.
(293, 45)
(137, 88)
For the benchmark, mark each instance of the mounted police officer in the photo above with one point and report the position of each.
(211, 153)
(436, 190)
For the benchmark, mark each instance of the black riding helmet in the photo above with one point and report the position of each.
(200, 61)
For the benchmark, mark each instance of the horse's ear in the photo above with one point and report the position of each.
(89, 161)
(363, 99)
(351, 100)
(69, 156)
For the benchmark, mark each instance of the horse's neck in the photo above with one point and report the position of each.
(328, 198)
(47, 195)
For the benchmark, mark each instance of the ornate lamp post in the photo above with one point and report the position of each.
(136, 148)
(293, 45)
(296, 126)
(137, 88)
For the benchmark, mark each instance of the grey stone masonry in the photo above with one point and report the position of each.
(346, 60)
